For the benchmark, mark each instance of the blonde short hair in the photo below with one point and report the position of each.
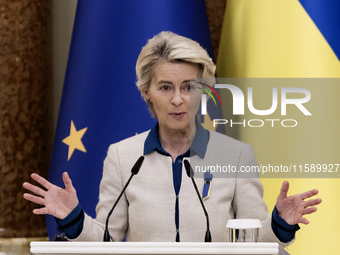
(170, 47)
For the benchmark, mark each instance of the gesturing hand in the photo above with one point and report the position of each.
(292, 208)
(58, 202)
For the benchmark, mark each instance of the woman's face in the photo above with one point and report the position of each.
(170, 95)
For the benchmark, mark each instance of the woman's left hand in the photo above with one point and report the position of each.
(292, 208)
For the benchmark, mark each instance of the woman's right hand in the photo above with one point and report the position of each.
(58, 202)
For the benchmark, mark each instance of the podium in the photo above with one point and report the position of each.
(154, 248)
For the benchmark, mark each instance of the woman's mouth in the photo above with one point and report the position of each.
(177, 115)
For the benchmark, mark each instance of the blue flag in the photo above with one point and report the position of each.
(100, 102)
(325, 15)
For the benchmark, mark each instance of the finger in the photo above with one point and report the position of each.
(309, 210)
(284, 189)
(34, 199)
(303, 221)
(67, 181)
(309, 194)
(41, 180)
(34, 189)
(40, 211)
(312, 202)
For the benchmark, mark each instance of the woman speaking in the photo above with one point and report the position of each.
(160, 204)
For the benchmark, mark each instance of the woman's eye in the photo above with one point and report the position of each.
(165, 88)
(187, 88)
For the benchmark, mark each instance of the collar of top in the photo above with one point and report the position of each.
(198, 146)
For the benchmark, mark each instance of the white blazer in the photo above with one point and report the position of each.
(146, 212)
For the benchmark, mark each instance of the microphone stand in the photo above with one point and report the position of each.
(190, 174)
(134, 171)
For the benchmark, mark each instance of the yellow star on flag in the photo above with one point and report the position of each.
(74, 140)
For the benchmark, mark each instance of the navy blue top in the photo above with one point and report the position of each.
(72, 225)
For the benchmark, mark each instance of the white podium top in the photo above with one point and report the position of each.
(55, 248)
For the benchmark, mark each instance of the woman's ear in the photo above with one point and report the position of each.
(146, 95)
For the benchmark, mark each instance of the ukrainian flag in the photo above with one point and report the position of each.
(292, 39)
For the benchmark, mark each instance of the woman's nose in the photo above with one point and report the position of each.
(177, 98)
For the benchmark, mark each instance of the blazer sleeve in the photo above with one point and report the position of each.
(248, 199)
(110, 187)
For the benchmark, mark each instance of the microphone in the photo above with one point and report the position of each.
(190, 174)
(134, 171)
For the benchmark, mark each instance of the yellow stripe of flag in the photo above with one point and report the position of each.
(278, 39)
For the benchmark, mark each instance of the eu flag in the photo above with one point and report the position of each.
(100, 102)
